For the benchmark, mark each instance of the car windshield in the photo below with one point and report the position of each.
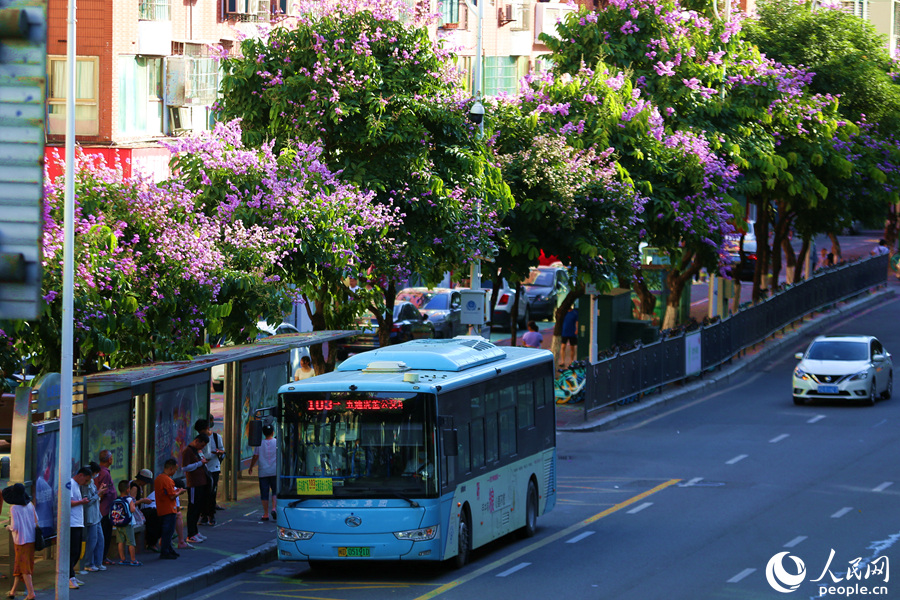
(357, 444)
(539, 277)
(426, 300)
(831, 350)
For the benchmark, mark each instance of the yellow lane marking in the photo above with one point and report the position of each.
(548, 540)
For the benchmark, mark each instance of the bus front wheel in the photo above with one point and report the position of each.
(464, 541)
(531, 510)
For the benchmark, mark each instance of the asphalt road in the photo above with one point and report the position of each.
(692, 503)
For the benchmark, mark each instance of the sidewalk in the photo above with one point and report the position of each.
(571, 417)
(237, 543)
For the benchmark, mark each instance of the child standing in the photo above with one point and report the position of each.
(125, 531)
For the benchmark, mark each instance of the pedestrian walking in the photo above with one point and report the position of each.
(22, 523)
(193, 463)
(266, 455)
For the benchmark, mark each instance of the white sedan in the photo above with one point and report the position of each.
(845, 367)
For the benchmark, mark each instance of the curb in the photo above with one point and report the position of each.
(199, 581)
(724, 373)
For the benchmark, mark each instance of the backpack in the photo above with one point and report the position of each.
(120, 514)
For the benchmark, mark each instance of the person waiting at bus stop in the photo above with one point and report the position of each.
(193, 463)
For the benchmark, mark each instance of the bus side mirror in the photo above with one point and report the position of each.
(451, 442)
(255, 433)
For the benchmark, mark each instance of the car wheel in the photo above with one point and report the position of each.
(799, 401)
(870, 401)
(890, 387)
(464, 541)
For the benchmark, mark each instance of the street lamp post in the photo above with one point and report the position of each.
(476, 115)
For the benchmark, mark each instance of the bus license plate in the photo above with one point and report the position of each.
(828, 389)
(353, 551)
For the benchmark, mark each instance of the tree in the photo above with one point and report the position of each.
(311, 227)
(382, 101)
(709, 83)
(850, 61)
(149, 274)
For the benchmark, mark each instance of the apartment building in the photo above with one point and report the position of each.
(145, 69)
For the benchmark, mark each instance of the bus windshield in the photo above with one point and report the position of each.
(357, 445)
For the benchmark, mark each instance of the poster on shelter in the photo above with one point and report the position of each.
(46, 473)
(109, 428)
(179, 403)
(260, 380)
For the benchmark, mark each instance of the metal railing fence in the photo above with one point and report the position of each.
(628, 374)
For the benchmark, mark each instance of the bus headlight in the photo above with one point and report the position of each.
(292, 535)
(418, 535)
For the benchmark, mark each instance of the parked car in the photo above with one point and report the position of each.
(501, 314)
(409, 324)
(545, 289)
(843, 367)
(442, 305)
(745, 266)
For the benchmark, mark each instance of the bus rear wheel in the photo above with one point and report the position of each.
(531, 511)
(464, 540)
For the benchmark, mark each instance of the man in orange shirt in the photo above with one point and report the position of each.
(166, 492)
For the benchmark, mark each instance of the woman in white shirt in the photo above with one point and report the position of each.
(22, 522)
(305, 371)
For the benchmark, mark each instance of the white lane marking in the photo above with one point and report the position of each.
(518, 567)
(741, 575)
(691, 482)
(842, 512)
(640, 507)
(795, 541)
(579, 537)
(816, 419)
(778, 438)
(736, 459)
(883, 486)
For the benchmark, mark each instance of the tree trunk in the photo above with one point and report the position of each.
(762, 250)
(646, 299)
(790, 258)
(514, 317)
(675, 281)
(890, 228)
(316, 356)
(386, 322)
(835, 247)
(801, 261)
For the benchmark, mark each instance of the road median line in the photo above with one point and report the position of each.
(548, 540)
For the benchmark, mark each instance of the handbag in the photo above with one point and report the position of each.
(39, 543)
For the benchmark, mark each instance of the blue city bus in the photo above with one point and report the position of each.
(420, 451)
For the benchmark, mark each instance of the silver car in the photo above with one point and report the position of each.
(843, 367)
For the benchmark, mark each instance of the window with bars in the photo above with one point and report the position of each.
(250, 10)
(154, 10)
(202, 80)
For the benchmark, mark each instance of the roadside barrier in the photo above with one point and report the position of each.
(627, 375)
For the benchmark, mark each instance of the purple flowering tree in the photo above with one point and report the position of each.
(711, 84)
(288, 219)
(149, 273)
(381, 100)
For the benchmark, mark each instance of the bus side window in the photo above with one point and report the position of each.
(545, 391)
(463, 449)
(525, 404)
(477, 437)
(477, 406)
(507, 431)
(490, 438)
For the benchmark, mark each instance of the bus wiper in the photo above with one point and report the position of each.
(412, 502)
